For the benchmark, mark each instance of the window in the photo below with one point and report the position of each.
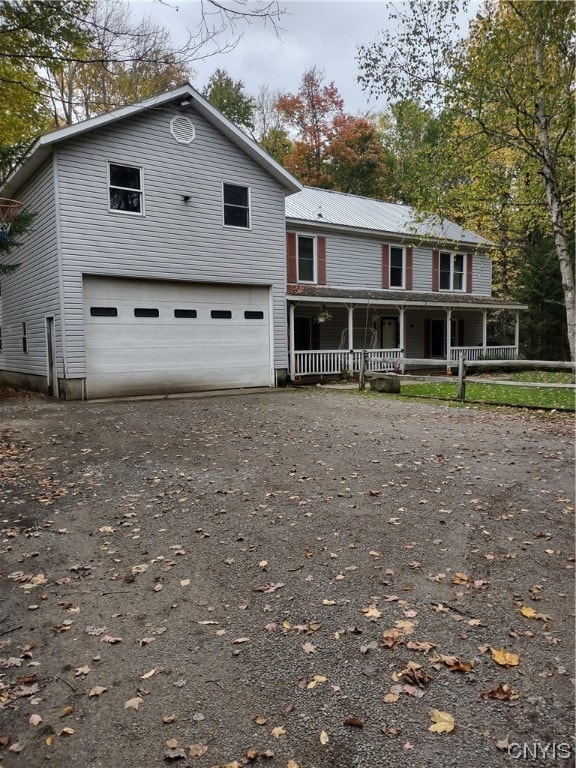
(452, 271)
(306, 259)
(125, 186)
(103, 312)
(190, 313)
(146, 312)
(253, 315)
(236, 206)
(24, 338)
(396, 267)
(221, 314)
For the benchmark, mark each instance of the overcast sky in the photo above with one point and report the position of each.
(322, 33)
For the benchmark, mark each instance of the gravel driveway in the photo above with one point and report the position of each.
(296, 579)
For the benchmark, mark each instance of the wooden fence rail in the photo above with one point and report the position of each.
(367, 361)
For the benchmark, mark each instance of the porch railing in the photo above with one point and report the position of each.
(484, 353)
(320, 362)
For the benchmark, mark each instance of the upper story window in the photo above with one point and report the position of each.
(452, 269)
(236, 206)
(125, 188)
(306, 258)
(397, 267)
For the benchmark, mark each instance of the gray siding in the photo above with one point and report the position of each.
(174, 240)
(32, 292)
(356, 262)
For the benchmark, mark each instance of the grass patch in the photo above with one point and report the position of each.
(538, 377)
(498, 394)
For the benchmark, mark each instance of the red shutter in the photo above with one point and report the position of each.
(385, 266)
(469, 273)
(292, 276)
(321, 260)
(435, 270)
(409, 266)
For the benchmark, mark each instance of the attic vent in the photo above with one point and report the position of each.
(182, 129)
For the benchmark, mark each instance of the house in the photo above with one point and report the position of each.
(366, 274)
(157, 258)
(169, 253)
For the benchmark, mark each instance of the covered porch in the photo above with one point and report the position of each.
(326, 334)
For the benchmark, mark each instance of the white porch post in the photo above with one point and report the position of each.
(292, 356)
(402, 333)
(484, 330)
(448, 335)
(350, 338)
(517, 333)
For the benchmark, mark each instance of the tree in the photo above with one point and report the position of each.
(125, 61)
(8, 241)
(355, 159)
(231, 99)
(80, 57)
(508, 90)
(310, 113)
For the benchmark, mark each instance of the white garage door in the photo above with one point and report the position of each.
(148, 337)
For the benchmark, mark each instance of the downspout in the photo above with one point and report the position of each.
(292, 356)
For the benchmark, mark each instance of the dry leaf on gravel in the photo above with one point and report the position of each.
(133, 703)
(197, 750)
(502, 692)
(98, 690)
(442, 722)
(308, 647)
(278, 731)
(324, 739)
(371, 612)
(505, 658)
(34, 719)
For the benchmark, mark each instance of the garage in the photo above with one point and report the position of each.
(155, 337)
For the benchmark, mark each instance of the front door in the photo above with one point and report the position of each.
(437, 338)
(389, 333)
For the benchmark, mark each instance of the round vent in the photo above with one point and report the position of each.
(182, 129)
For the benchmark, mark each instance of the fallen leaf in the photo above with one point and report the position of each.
(34, 719)
(292, 764)
(241, 640)
(66, 711)
(172, 743)
(148, 674)
(391, 697)
(505, 658)
(503, 744)
(442, 722)
(197, 750)
(259, 720)
(324, 739)
(308, 647)
(169, 719)
(98, 690)
(82, 671)
(67, 731)
(174, 754)
(278, 731)
(502, 692)
(371, 612)
(133, 703)
(111, 640)
(356, 722)
(528, 612)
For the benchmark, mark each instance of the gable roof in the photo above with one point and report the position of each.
(42, 148)
(335, 209)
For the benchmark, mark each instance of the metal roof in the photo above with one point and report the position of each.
(325, 207)
(184, 96)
